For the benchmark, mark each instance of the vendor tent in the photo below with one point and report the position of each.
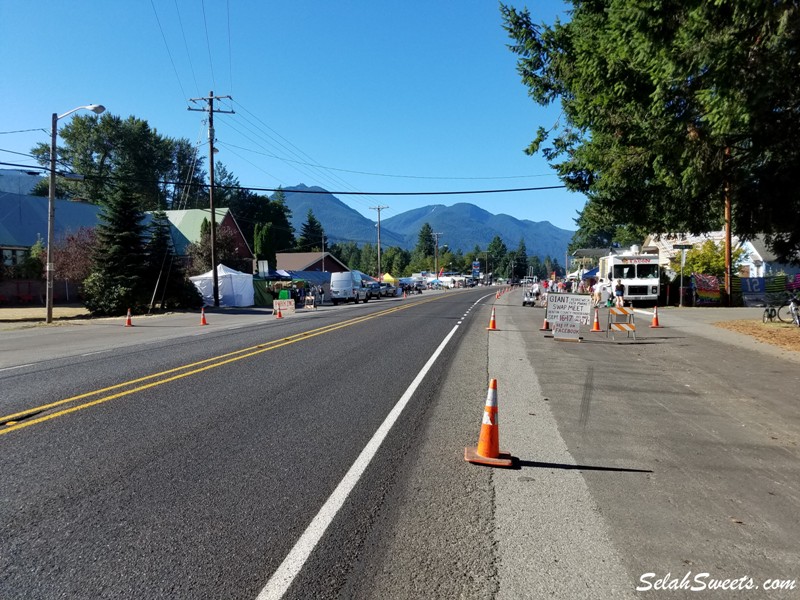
(387, 278)
(591, 273)
(235, 287)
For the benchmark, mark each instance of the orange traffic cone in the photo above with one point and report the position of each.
(128, 322)
(545, 326)
(203, 316)
(278, 314)
(655, 324)
(596, 325)
(488, 451)
(492, 324)
(404, 295)
(497, 295)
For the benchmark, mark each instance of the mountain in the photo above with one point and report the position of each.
(463, 225)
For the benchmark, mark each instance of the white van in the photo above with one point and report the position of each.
(347, 286)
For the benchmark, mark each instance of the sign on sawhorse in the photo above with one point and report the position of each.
(621, 319)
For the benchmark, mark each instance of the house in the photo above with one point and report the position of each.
(19, 181)
(309, 261)
(759, 261)
(185, 227)
(23, 221)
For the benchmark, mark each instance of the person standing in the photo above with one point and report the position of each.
(619, 294)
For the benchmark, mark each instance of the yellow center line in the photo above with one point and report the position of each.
(196, 367)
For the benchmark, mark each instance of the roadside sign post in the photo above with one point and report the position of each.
(683, 248)
(566, 313)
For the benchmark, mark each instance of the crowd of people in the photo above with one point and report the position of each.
(604, 292)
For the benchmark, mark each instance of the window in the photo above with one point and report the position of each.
(647, 271)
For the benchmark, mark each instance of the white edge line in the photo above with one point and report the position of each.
(283, 577)
(17, 367)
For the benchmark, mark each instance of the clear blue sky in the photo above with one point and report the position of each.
(412, 96)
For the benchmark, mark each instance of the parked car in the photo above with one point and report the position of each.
(373, 289)
(387, 289)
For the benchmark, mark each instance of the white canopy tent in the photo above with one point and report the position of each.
(235, 287)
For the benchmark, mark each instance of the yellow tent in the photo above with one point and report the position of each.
(389, 279)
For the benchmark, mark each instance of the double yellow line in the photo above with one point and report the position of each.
(28, 417)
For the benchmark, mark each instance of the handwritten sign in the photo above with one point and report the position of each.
(566, 313)
(286, 306)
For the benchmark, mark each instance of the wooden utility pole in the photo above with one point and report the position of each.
(379, 209)
(728, 261)
(210, 110)
(436, 252)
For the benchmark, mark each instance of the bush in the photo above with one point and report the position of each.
(104, 297)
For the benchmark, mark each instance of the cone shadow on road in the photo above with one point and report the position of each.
(533, 464)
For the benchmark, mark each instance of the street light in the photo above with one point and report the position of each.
(51, 200)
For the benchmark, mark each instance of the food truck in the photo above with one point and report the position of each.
(639, 273)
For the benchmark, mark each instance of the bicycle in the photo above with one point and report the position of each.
(790, 312)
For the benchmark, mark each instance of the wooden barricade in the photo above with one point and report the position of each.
(621, 319)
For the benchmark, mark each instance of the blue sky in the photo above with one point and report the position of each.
(411, 96)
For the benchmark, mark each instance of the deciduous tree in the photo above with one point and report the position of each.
(670, 108)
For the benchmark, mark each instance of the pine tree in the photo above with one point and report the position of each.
(310, 234)
(116, 282)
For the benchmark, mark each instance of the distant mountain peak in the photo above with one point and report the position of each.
(462, 225)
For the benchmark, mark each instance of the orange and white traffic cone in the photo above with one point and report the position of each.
(128, 321)
(596, 325)
(492, 323)
(277, 312)
(545, 326)
(404, 295)
(497, 295)
(203, 316)
(487, 452)
(655, 324)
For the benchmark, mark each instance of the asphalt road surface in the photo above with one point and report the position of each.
(321, 456)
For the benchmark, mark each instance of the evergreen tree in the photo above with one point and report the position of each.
(425, 243)
(369, 260)
(279, 215)
(116, 282)
(264, 244)
(311, 233)
(348, 252)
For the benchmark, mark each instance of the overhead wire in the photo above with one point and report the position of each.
(230, 46)
(186, 46)
(169, 53)
(208, 44)
(294, 150)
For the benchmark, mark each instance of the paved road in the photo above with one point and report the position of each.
(676, 454)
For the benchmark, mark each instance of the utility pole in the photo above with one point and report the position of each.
(379, 209)
(210, 110)
(436, 252)
(323, 251)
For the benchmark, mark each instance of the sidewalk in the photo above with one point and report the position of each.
(39, 313)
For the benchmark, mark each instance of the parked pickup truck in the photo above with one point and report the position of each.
(387, 289)
(373, 289)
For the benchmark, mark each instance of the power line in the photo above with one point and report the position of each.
(332, 193)
(166, 45)
(390, 175)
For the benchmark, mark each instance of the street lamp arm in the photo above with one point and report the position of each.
(95, 108)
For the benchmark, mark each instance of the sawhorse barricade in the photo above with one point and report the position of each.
(621, 319)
